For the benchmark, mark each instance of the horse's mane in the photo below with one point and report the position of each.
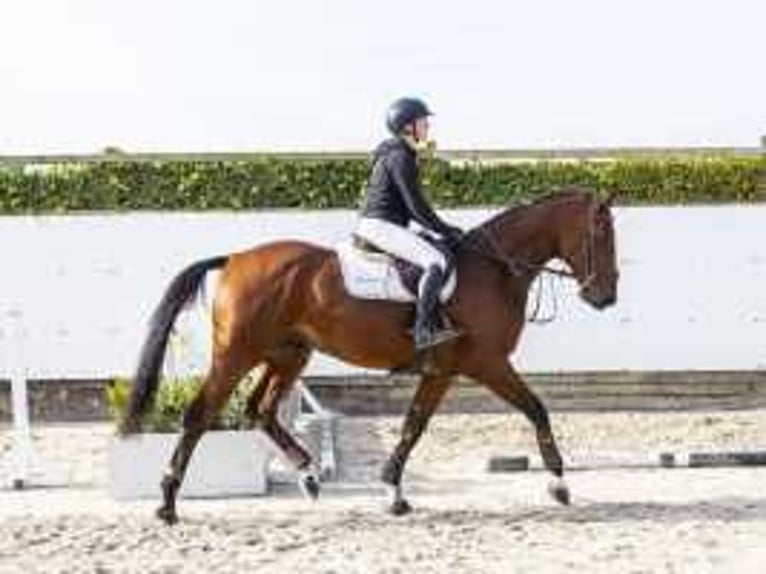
(513, 213)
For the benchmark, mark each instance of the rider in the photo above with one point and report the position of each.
(393, 199)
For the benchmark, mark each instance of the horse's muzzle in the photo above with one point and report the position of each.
(599, 300)
(604, 302)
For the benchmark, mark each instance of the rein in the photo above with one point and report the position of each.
(516, 267)
(512, 266)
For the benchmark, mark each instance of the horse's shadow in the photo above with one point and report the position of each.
(725, 509)
(718, 510)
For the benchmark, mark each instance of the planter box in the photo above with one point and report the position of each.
(225, 463)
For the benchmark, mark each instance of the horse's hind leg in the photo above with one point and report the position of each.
(212, 396)
(284, 365)
(427, 397)
(508, 385)
(260, 389)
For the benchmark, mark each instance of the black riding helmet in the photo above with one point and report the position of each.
(403, 112)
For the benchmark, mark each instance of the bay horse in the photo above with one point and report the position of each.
(276, 303)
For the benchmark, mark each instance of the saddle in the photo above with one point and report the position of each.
(369, 273)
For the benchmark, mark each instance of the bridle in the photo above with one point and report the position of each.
(518, 268)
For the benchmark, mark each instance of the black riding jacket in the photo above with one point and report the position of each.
(393, 190)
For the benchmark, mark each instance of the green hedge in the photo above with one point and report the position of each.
(276, 182)
(172, 400)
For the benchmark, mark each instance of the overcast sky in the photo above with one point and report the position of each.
(176, 75)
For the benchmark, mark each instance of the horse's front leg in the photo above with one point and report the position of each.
(502, 379)
(427, 397)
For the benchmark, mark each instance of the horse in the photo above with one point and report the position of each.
(276, 303)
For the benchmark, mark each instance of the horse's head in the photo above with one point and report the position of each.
(587, 245)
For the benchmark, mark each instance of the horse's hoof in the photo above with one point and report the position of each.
(400, 507)
(167, 515)
(310, 486)
(559, 490)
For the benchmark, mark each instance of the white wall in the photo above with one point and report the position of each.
(75, 291)
(692, 297)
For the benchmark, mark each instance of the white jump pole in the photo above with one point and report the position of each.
(328, 427)
(23, 451)
(22, 446)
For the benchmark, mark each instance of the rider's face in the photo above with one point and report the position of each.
(420, 129)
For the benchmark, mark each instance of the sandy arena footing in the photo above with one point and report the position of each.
(465, 520)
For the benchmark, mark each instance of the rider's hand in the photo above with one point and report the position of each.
(454, 235)
(456, 232)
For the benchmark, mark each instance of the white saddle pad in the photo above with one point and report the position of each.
(369, 275)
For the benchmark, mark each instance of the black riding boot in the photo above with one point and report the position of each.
(429, 328)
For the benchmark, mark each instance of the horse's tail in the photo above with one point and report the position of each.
(180, 292)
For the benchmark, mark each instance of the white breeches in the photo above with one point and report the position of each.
(401, 242)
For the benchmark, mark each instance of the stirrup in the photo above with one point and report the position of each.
(440, 337)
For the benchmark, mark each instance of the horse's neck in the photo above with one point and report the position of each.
(530, 238)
